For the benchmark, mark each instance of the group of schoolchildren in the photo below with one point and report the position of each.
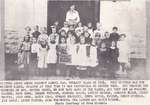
(82, 47)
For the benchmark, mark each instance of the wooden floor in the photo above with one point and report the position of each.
(137, 72)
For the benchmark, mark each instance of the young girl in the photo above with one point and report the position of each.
(65, 27)
(52, 53)
(70, 35)
(42, 55)
(63, 33)
(24, 52)
(90, 28)
(123, 53)
(93, 61)
(103, 55)
(82, 54)
(107, 39)
(97, 39)
(98, 30)
(54, 33)
(72, 51)
(62, 52)
(87, 37)
(93, 55)
(113, 60)
(34, 51)
(79, 27)
(43, 36)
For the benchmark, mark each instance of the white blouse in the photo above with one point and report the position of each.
(72, 16)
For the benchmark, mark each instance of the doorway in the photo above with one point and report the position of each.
(89, 11)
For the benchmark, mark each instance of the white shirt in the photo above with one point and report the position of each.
(72, 16)
(34, 48)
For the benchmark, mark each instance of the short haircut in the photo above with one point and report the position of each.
(115, 28)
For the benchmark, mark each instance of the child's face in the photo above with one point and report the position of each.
(115, 30)
(65, 25)
(63, 33)
(97, 36)
(28, 32)
(56, 23)
(26, 38)
(103, 45)
(113, 44)
(73, 41)
(34, 40)
(36, 29)
(43, 30)
(71, 28)
(80, 24)
(70, 34)
(43, 43)
(107, 35)
(98, 25)
(28, 29)
(53, 30)
(62, 40)
(78, 33)
(89, 25)
(85, 28)
(52, 38)
(82, 40)
(86, 34)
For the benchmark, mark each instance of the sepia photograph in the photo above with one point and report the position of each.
(75, 39)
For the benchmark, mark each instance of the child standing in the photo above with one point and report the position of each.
(82, 57)
(43, 36)
(114, 36)
(62, 51)
(55, 34)
(113, 60)
(107, 39)
(52, 53)
(34, 51)
(98, 30)
(123, 58)
(88, 39)
(93, 54)
(42, 55)
(103, 55)
(70, 35)
(90, 28)
(24, 52)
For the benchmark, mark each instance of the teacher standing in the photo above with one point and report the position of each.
(72, 16)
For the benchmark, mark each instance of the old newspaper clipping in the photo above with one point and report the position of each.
(75, 52)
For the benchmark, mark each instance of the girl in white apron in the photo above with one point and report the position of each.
(82, 58)
(42, 55)
(52, 54)
(72, 51)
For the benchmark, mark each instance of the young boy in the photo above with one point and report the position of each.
(114, 36)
